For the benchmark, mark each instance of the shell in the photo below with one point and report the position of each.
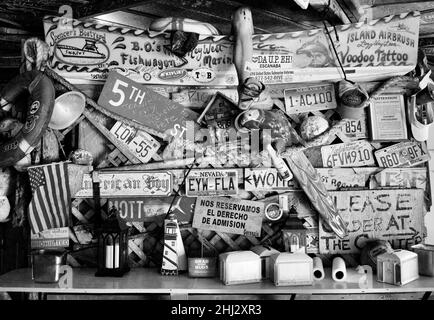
(313, 127)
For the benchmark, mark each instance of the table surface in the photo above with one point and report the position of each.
(149, 281)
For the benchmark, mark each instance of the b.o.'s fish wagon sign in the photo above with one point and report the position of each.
(396, 215)
(403, 154)
(146, 209)
(134, 101)
(212, 182)
(128, 184)
(310, 98)
(229, 215)
(352, 154)
(265, 179)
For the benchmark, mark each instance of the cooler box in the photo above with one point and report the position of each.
(398, 267)
(291, 269)
(238, 267)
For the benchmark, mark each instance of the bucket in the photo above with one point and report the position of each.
(46, 265)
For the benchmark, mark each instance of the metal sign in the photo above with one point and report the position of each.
(403, 154)
(51, 238)
(265, 179)
(229, 215)
(355, 129)
(396, 215)
(212, 182)
(151, 208)
(352, 154)
(310, 98)
(138, 103)
(128, 184)
(140, 143)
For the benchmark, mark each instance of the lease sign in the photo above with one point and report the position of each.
(353, 154)
(229, 215)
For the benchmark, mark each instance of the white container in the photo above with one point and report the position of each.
(238, 267)
(398, 267)
(264, 253)
(291, 269)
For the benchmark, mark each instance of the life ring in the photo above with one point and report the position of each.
(40, 108)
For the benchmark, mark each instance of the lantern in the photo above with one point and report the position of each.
(112, 247)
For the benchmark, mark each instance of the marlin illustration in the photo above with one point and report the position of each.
(89, 51)
(319, 54)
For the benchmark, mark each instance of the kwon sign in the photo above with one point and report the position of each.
(395, 215)
(128, 184)
(265, 179)
(138, 103)
(352, 154)
(229, 215)
(212, 182)
(151, 208)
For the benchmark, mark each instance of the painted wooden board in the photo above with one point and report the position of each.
(352, 154)
(403, 154)
(128, 184)
(212, 182)
(337, 178)
(396, 215)
(140, 143)
(152, 208)
(406, 178)
(310, 98)
(265, 179)
(51, 238)
(229, 215)
(138, 103)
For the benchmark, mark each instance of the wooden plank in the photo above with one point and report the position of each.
(396, 215)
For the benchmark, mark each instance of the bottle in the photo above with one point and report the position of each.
(279, 163)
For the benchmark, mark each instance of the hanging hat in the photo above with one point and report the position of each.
(67, 109)
(352, 99)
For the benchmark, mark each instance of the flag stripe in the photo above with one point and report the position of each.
(51, 185)
(64, 183)
(41, 209)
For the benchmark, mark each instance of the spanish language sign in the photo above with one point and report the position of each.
(396, 215)
(229, 215)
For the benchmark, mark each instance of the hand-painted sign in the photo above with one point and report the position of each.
(229, 215)
(406, 178)
(265, 179)
(403, 154)
(335, 179)
(396, 215)
(128, 184)
(310, 98)
(151, 208)
(140, 143)
(51, 238)
(212, 182)
(352, 154)
(88, 50)
(140, 104)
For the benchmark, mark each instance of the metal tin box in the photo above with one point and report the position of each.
(425, 257)
(291, 269)
(264, 253)
(398, 267)
(239, 267)
(46, 265)
(202, 267)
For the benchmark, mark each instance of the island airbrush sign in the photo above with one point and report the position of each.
(87, 51)
(368, 51)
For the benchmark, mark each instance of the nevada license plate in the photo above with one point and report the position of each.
(353, 154)
(403, 154)
(310, 98)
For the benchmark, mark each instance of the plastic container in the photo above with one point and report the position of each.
(291, 269)
(398, 267)
(46, 265)
(240, 267)
(425, 257)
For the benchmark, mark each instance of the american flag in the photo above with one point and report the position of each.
(51, 202)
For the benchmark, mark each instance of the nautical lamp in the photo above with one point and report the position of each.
(112, 247)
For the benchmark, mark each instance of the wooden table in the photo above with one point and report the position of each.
(149, 281)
